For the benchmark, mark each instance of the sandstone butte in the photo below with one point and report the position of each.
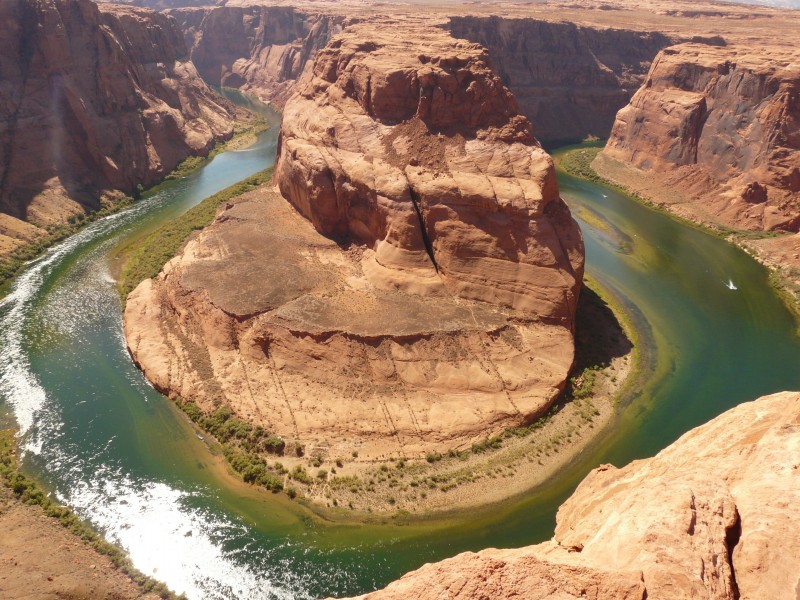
(720, 128)
(92, 101)
(713, 516)
(414, 288)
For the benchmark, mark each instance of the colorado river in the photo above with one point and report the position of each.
(125, 459)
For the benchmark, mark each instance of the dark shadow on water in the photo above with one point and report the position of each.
(599, 336)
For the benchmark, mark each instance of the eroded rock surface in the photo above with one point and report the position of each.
(721, 128)
(419, 291)
(261, 50)
(92, 100)
(570, 80)
(714, 515)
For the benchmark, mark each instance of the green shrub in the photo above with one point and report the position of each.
(433, 457)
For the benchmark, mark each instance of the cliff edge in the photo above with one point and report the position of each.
(715, 134)
(714, 515)
(95, 100)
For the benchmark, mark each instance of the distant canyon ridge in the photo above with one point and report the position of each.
(571, 68)
(94, 102)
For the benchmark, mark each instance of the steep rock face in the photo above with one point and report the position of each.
(427, 298)
(259, 49)
(94, 100)
(712, 516)
(422, 155)
(569, 80)
(721, 126)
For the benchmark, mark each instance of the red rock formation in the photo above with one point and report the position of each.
(712, 516)
(414, 147)
(570, 80)
(443, 312)
(94, 100)
(721, 127)
(262, 50)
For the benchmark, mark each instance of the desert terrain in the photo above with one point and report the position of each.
(390, 323)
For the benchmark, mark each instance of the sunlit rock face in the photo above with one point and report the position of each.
(714, 515)
(722, 126)
(261, 50)
(94, 100)
(412, 290)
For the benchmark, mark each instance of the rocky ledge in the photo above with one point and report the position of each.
(714, 516)
(417, 292)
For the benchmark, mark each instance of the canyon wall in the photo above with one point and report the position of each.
(416, 293)
(714, 516)
(92, 100)
(720, 128)
(569, 80)
(262, 50)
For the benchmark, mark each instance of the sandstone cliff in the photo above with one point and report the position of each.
(720, 129)
(570, 80)
(92, 100)
(712, 516)
(262, 50)
(419, 291)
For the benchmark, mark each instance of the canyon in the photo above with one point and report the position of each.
(407, 286)
(720, 128)
(569, 80)
(411, 187)
(699, 519)
(95, 102)
(572, 68)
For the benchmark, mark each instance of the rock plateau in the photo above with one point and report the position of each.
(92, 100)
(413, 290)
(714, 516)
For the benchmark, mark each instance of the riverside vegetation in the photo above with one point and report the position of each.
(149, 256)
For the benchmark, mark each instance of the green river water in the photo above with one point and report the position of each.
(125, 459)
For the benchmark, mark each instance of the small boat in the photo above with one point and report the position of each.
(604, 196)
(730, 285)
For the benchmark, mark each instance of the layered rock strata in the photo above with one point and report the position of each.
(720, 129)
(261, 50)
(417, 291)
(569, 80)
(92, 100)
(712, 516)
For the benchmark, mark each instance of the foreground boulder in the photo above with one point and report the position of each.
(92, 100)
(416, 293)
(712, 516)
